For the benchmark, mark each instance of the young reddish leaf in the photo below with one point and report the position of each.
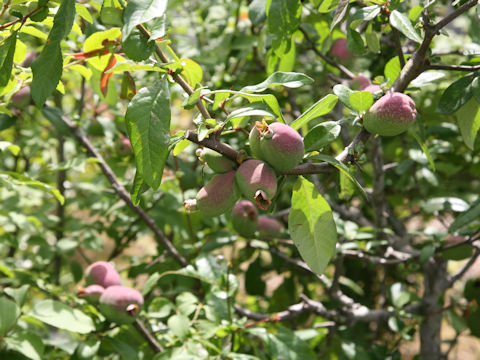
(106, 76)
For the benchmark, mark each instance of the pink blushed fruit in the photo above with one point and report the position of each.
(372, 88)
(244, 218)
(360, 82)
(257, 181)
(21, 98)
(218, 196)
(102, 273)
(390, 115)
(278, 144)
(92, 293)
(120, 304)
(339, 49)
(269, 228)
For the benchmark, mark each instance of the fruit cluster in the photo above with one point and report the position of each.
(246, 222)
(276, 147)
(117, 303)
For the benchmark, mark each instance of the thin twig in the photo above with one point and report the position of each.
(398, 47)
(177, 77)
(123, 194)
(313, 47)
(453, 67)
(142, 329)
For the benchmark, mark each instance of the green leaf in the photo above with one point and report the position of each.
(456, 95)
(268, 99)
(320, 108)
(6, 145)
(6, 121)
(473, 213)
(140, 11)
(27, 344)
(468, 118)
(364, 14)
(311, 225)
(343, 93)
(249, 111)
(284, 344)
(361, 100)
(19, 179)
(344, 169)
(7, 52)
(54, 115)
(425, 151)
(402, 23)
(392, 70)
(340, 13)
(47, 71)
(179, 325)
(9, 312)
(137, 47)
(257, 11)
(158, 29)
(62, 316)
(111, 13)
(84, 13)
(19, 294)
(283, 19)
(321, 135)
(192, 72)
(148, 126)
(287, 79)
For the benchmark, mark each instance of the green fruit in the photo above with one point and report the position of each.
(120, 304)
(216, 161)
(269, 228)
(102, 273)
(91, 293)
(390, 115)
(278, 144)
(244, 218)
(257, 181)
(218, 196)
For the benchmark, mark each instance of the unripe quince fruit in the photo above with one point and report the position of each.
(91, 293)
(244, 218)
(215, 161)
(218, 196)
(269, 228)
(102, 273)
(278, 144)
(390, 115)
(120, 304)
(257, 181)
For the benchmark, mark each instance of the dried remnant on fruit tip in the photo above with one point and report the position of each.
(340, 50)
(92, 293)
(390, 115)
(120, 304)
(102, 273)
(216, 161)
(218, 195)
(282, 147)
(244, 218)
(269, 228)
(257, 181)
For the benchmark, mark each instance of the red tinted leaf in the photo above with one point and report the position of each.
(105, 77)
